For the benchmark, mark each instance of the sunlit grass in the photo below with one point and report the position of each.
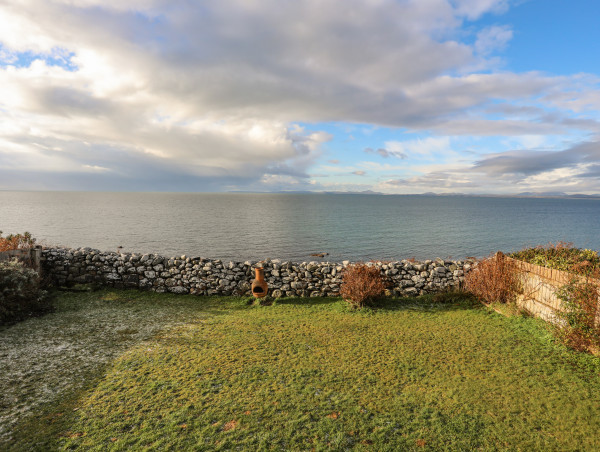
(309, 374)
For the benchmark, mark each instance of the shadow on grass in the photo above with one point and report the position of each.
(308, 301)
(445, 301)
(223, 305)
(41, 431)
(218, 305)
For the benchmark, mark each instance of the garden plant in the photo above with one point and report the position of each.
(361, 284)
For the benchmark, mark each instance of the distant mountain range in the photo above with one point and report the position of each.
(556, 195)
(546, 194)
(527, 194)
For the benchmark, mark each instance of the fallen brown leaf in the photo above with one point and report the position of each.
(230, 425)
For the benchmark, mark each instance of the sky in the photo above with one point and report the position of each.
(394, 96)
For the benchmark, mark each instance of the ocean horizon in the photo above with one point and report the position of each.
(292, 226)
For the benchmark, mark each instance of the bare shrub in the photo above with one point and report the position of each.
(494, 279)
(361, 284)
(16, 241)
(579, 329)
(20, 292)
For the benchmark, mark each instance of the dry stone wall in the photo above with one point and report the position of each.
(200, 276)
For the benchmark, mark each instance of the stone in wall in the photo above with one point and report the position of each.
(201, 276)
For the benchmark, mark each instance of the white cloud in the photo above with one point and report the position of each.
(526, 142)
(178, 91)
(473, 9)
(420, 146)
(95, 168)
(492, 39)
(558, 176)
(380, 167)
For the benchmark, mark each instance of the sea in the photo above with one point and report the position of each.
(355, 227)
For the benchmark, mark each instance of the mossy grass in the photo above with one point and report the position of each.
(441, 373)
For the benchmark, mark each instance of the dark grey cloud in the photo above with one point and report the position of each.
(379, 151)
(283, 169)
(572, 170)
(385, 153)
(527, 111)
(592, 171)
(529, 163)
(157, 180)
(524, 162)
(70, 102)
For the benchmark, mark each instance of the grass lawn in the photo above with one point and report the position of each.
(184, 373)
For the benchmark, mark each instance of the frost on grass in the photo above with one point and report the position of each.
(44, 359)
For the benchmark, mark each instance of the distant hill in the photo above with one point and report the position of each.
(546, 194)
(551, 194)
(364, 192)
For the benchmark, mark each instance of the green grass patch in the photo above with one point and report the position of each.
(307, 374)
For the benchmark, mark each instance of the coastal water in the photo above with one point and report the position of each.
(293, 226)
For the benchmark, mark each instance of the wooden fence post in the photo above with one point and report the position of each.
(36, 258)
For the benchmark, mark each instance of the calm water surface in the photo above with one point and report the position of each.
(292, 226)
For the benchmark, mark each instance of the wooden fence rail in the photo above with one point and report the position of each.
(540, 287)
